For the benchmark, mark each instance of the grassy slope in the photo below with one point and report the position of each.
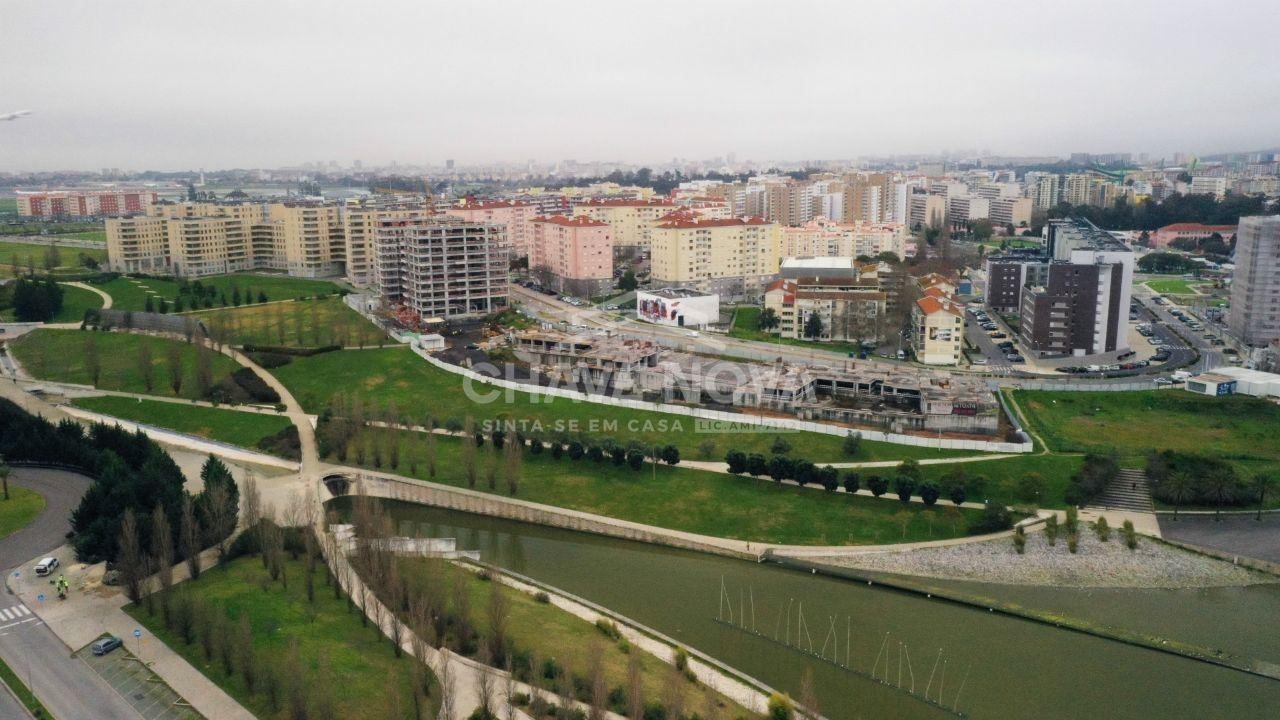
(549, 632)
(1057, 471)
(307, 323)
(20, 509)
(691, 500)
(16, 253)
(363, 668)
(60, 355)
(417, 388)
(1173, 287)
(131, 293)
(746, 327)
(230, 426)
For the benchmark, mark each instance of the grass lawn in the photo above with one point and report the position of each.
(130, 293)
(8, 206)
(17, 253)
(229, 426)
(542, 631)
(74, 303)
(1057, 470)
(366, 679)
(1173, 287)
(1237, 428)
(746, 327)
(417, 388)
(20, 509)
(304, 323)
(697, 501)
(59, 355)
(94, 235)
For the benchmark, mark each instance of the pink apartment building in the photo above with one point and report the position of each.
(1164, 236)
(572, 255)
(514, 216)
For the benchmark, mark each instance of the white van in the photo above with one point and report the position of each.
(46, 565)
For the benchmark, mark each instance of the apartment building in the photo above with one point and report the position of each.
(304, 239)
(937, 328)
(1043, 190)
(512, 215)
(964, 209)
(1072, 299)
(429, 268)
(1254, 316)
(1205, 185)
(359, 223)
(822, 237)
(85, 203)
(867, 197)
(632, 220)
(734, 257)
(925, 210)
(1005, 211)
(572, 255)
(847, 309)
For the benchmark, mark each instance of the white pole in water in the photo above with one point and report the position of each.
(848, 629)
(931, 673)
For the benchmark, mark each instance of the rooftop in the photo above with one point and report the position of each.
(676, 293)
(713, 222)
(579, 221)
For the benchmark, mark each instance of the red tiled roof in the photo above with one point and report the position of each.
(1189, 227)
(787, 287)
(624, 202)
(931, 305)
(490, 204)
(713, 222)
(579, 221)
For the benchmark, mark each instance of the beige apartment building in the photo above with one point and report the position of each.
(302, 239)
(631, 220)
(734, 257)
(848, 309)
(513, 216)
(825, 238)
(359, 222)
(937, 332)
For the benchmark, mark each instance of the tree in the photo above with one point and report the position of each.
(768, 319)
(851, 482)
(5, 471)
(737, 461)
(910, 468)
(162, 552)
(628, 282)
(204, 370)
(36, 300)
(92, 360)
(1219, 486)
(513, 459)
(929, 493)
(852, 442)
(878, 485)
(780, 446)
(1030, 488)
(635, 459)
(129, 561)
(671, 455)
(1262, 484)
(757, 465)
(780, 708)
(813, 326)
(468, 452)
(904, 486)
(780, 468)
(981, 229)
(189, 537)
(148, 306)
(146, 366)
(956, 494)
(829, 478)
(176, 372)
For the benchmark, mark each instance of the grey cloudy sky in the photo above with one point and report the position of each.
(178, 84)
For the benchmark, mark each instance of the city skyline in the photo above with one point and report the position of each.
(409, 83)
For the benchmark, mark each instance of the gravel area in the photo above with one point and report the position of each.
(1097, 564)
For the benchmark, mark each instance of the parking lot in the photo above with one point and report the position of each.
(148, 694)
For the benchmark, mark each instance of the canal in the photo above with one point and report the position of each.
(987, 665)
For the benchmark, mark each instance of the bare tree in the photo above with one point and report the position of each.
(513, 458)
(162, 554)
(444, 674)
(204, 369)
(129, 558)
(244, 643)
(176, 371)
(498, 612)
(673, 693)
(146, 366)
(251, 508)
(92, 360)
(468, 451)
(221, 518)
(189, 537)
(484, 683)
(430, 443)
(635, 686)
(599, 690)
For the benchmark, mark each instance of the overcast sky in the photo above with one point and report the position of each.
(176, 85)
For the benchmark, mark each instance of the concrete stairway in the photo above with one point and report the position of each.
(1129, 491)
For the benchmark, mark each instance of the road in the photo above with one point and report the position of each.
(1237, 533)
(66, 686)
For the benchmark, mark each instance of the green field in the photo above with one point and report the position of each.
(94, 235)
(130, 293)
(417, 388)
(8, 206)
(304, 323)
(337, 654)
(20, 509)
(1173, 287)
(541, 630)
(59, 355)
(236, 427)
(1237, 428)
(746, 326)
(679, 498)
(18, 253)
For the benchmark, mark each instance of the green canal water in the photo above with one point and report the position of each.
(1000, 667)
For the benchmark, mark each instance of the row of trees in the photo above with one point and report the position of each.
(437, 602)
(1181, 479)
(34, 299)
(1152, 215)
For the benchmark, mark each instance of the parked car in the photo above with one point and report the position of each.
(46, 565)
(1015, 359)
(980, 361)
(106, 645)
(1163, 381)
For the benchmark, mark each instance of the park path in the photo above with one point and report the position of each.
(107, 300)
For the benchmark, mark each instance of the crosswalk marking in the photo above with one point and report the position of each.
(7, 614)
(13, 613)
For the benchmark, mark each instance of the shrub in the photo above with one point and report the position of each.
(682, 659)
(1095, 474)
(270, 360)
(737, 461)
(780, 468)
(285, 350)
(851, 482)
(283, 444)
(609, 629)
(780, 446)
(575, 450)
(1103, 529)
(635, 459)
(757, 465)
(877, 485)
(595, 453)
(994, 518)
(780, 708)
(851, 443)
(1051, 529)
(1130, 535)
(542, 597)
(1073, 542)
(803, 471)
(903, 487)
(929, 493)
(1019, 540)
(255, 387)
(1073, 520)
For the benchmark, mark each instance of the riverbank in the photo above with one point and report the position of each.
(1153, 564)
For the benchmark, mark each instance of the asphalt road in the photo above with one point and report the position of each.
(66, 686)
